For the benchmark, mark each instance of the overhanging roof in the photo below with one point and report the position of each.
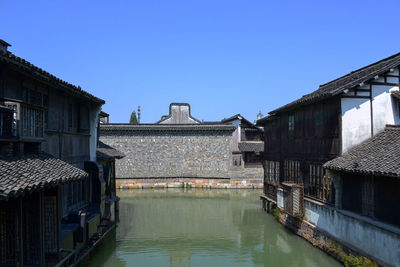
(106, 152)
(347, 81)
(251, 146)
(25, 66)
(378, 155)
(19, 175)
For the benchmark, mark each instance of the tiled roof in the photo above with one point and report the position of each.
(104, 114)
(396, 94)
(378, 155)
(107, 152)
(23, 65)
(166, 127)
(237, 117)
(251, 146)
(268, 118)
(35, 172)
(347, 81)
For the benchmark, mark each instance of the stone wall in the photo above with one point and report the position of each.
(255, 173)
(207, 183)
(172, 154)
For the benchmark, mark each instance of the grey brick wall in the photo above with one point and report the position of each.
(203, 154)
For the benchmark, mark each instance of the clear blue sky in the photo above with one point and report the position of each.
(221, 56)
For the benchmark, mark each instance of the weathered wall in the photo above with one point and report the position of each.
(372, 238)
(251, 173)
(205, 154)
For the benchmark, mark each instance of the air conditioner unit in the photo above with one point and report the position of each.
(293, 199)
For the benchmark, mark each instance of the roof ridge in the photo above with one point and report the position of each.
(365, 67)
(392, 127)
(346, 81)
(7, 55)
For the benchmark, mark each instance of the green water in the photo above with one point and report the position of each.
(202, 228)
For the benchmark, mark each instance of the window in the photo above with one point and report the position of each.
(75, 195)
(31, 121)
(319, 185)
(271, 175)
(27, 120)
(6, 121)
(46, 111)
(319, 117)
(237, 160)
(292, 171)
(271, 178)
(291, 122)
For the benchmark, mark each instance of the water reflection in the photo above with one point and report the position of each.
(177, 227)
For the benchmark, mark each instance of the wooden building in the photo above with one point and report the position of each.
(302, 136)
(106, 156)
(367, 177)
(247, 144)
(52, 190)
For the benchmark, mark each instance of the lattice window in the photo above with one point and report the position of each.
(31, 122)
(319, 185)
(50, 224)
(46, 111)
(6, 121)
(76, 195)
(9, 234)
(31, 230)
(272, 172)
(292, 171)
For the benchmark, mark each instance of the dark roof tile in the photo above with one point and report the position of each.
(22, 64)
(347, 81)
(378, 155)
(106, 152)
(34, 172)
(251, 146)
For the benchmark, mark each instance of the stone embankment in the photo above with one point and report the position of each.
(190, 183)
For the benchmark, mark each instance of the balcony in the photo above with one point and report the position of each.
(22, 121)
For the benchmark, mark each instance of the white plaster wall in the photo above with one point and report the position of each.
(382, 107)
(381, 243)
(236, 135)
(94, 112)
(356, 122)
(180, 114)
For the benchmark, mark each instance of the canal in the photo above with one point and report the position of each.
(177, 227)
